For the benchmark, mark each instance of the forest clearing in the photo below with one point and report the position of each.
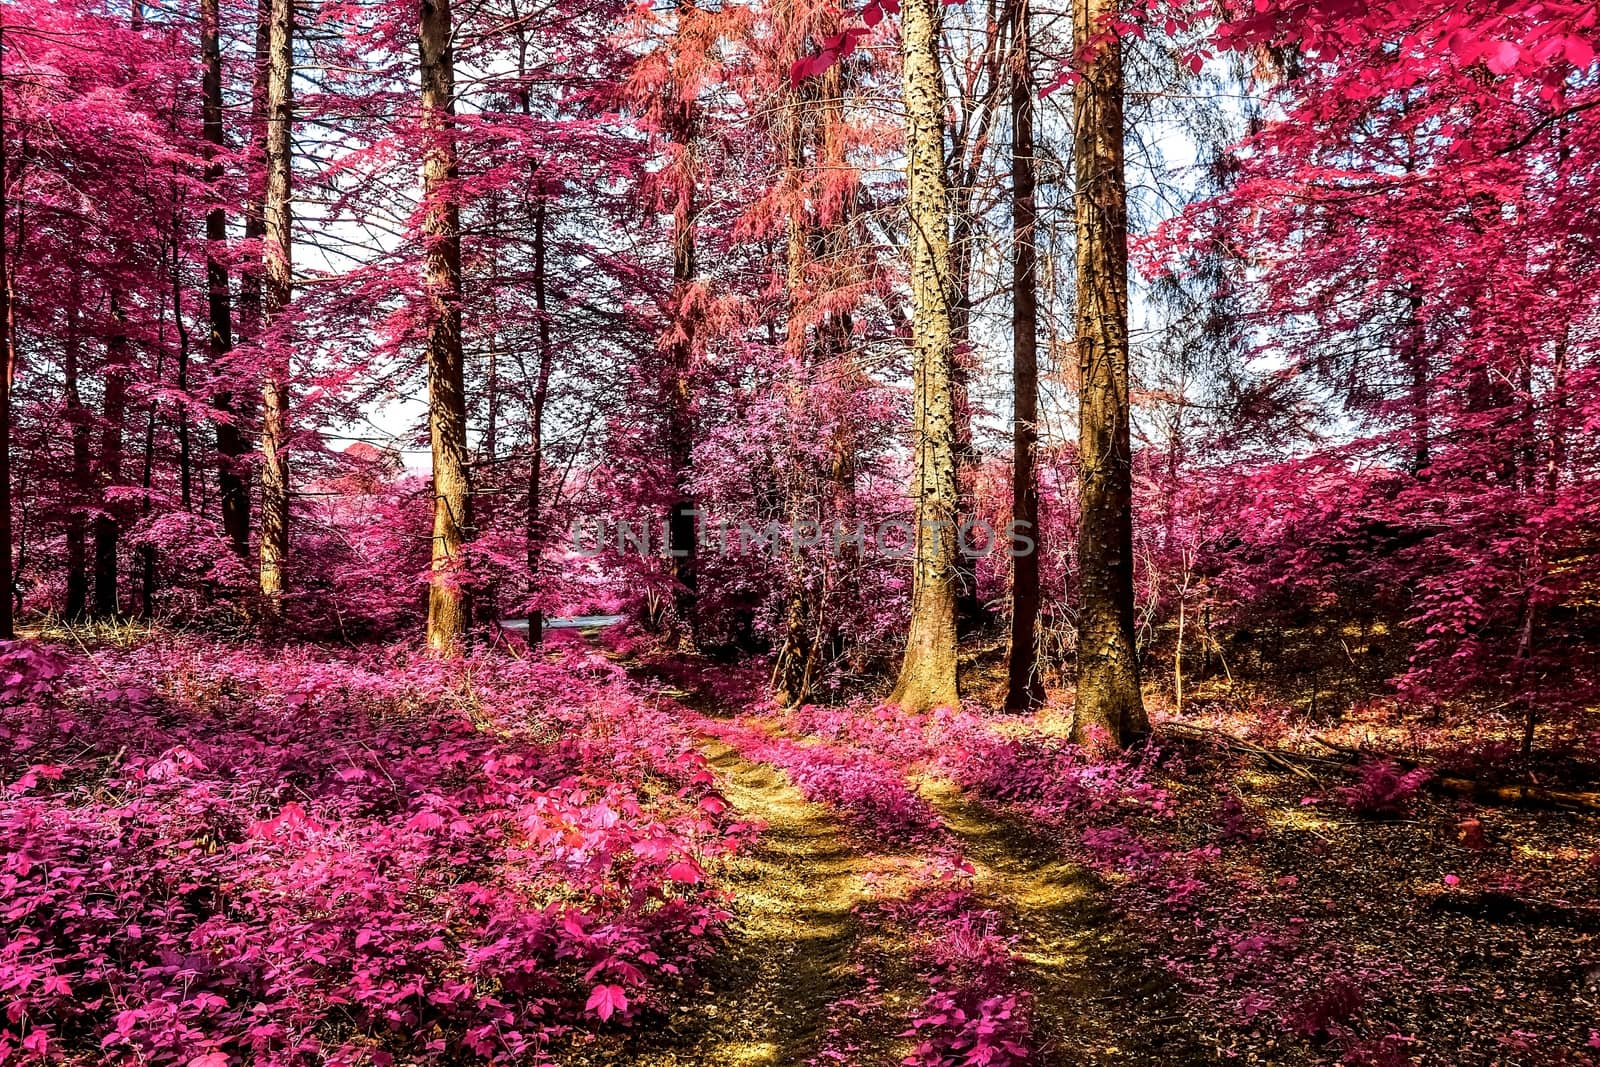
(796, 533)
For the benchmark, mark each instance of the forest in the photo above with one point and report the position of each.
(799, 533)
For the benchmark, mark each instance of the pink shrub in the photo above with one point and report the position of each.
(307, 861)
(975, 1012)
(1382, 788)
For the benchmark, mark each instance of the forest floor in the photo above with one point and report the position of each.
(1217, 907)
(823, 962)
(702, 880)
(795, 895)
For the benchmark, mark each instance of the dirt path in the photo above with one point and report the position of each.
(1095, 1002)
(794, 929)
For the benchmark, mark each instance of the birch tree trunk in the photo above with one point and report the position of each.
(928, 670)
(448, 612)
(1110, 710)
(277, 294)
(1024, 690)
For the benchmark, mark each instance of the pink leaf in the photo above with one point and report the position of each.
(426, 821)
(605, 1000)
(1504, 58)
(686, 872)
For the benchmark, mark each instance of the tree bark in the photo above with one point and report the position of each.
(77, 602)
(448, 612)
(277, 294)
(797, 651)
(1110, 710)
(682, 528)
(255, 223)
(1024, 689)
(928, 670)
(181, 324)
(973, 118)
(541, 396)
(7, 361)
(235, 497)
(819, 244)
(107, 525)
(1414, 355)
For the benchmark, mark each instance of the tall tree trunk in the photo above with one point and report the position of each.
(541, 395)
(78, 422)
(146, 550)
(1110, 710)
(235, 496)
(970, 611)
(255, 221)
(1414, 355)
(819, 243)
(277, 294)
(682, 529)
(972, 119)
(1024, 690)
(107, 525)
(928, 671)
(448, 611)
(7, 362)
(1557, 416)
(792, 667)
(185, 452)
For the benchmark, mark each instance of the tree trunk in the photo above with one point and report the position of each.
(819, 244)
(185, 451)
(1110, 710)
(1557, 417)
(1024, 689)
(107, 525)
(277, 294)
(970, 612)
(147, 551)
(541, 395)
(255, 223)
(77, 602)
(448, 611)
(682, 528)
(928, 671)
(235, 496)
(7, 362)
(1414, 355)
(792, 667)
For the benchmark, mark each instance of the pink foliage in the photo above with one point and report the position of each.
(1382, 788)
(316, 859)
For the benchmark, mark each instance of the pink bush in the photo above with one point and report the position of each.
(308, 861)
(975, 1013)
(1383, 788)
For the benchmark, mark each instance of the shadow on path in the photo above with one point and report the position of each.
(788, 958)
(1096, 1002)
